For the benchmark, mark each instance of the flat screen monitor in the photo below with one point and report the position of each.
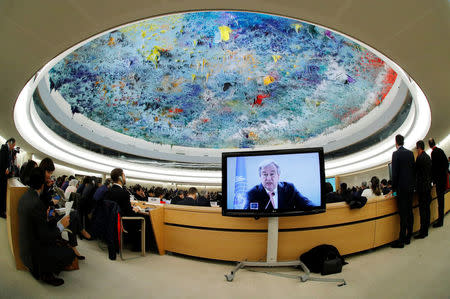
(273, 183)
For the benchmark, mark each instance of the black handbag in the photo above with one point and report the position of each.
(324, 259)
(332, 266)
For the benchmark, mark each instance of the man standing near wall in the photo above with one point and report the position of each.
(423, 188)
(403, 186)
(5, 169)
(439, 169)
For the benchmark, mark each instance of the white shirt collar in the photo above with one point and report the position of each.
(117, 185)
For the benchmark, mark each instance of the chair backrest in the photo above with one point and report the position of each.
(76, 198)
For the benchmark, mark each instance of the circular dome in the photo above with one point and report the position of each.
(222, 80)
(164, 97)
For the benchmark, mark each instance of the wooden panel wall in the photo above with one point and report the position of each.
(204, 232)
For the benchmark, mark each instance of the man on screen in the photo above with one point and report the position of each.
(274, 195)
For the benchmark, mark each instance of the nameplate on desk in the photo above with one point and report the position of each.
(153, 199)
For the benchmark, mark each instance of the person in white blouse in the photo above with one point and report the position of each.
(374, 189)
(73, 184)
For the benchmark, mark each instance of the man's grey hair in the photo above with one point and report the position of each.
(364, 184)
(267, 163)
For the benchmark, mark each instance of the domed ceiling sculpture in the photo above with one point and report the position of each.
(222, 80)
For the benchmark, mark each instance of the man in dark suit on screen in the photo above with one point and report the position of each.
(403, 184)
(274, 195)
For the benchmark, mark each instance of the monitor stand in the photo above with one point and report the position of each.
(272, 251)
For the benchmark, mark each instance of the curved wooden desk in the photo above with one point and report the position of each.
(204, 232)
(15, 190)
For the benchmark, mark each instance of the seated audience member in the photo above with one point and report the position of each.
(87, 202)
(48, 167)
(120, 195)
(345, 193)
(101, 191)
(39, 248)
(83, 183)
(66, 183)
(48, 200)
(62, 179)
(389, 185)
(384, 187)
(15, 171)
(192, 199)
(179, 197)
(73, 185)
(160, 193)
(374, 189)
(331, 196)
(139, 193)
(363, 187)
(25, 173)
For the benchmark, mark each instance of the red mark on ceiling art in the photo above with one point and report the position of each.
(259, 99)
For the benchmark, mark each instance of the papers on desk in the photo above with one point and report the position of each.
(68, 207)
(60, 211)
(143, 210)
(153, 203)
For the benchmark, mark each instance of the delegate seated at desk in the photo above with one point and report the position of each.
(121, 196)
(193, 199)
(272, 194)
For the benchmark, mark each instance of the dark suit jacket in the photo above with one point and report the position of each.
(439, 167)
(122, 197)
(36, 235)
(332, 197)
(403, 170)
(5, 159)
(288, 197)
(176, 200)
(189, 201)
(423, 173)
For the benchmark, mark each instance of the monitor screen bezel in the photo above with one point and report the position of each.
(275, 213)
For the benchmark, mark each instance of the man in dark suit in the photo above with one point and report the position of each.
(193, 199)
(423, 187)
(274, 195)
(403, 184)
(139, 193)
(179, 197)
(121, 196)
(439, 170)
(39, 251)
(5, 170)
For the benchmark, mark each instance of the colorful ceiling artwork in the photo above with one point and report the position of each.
(222, 79)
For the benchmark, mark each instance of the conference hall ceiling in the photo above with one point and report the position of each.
(222, 79)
